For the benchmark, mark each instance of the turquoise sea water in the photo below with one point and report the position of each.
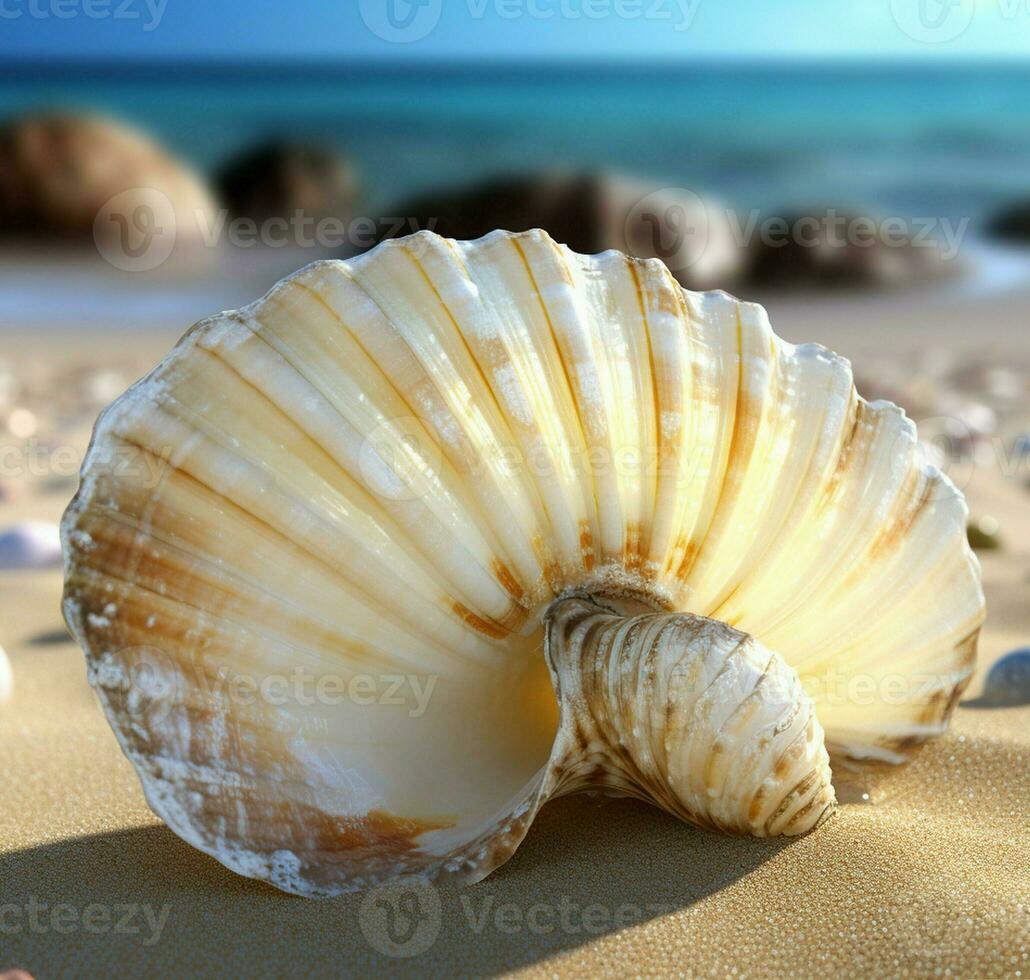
(943, 140)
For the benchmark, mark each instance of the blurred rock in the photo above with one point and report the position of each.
(58, 171)
(976, 377)
(277, 179)
(590, 213)
(34, 544)
(1003, 384)
(979, 419)
(1011, 223)
(833, 247)
(6, 677)
(1008, 681)
(983, 533)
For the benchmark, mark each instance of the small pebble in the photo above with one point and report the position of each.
(22, 424)
(105, 386)
(851, 792)
(983, 533)
(1008, 681)
(978, 418)
(1003, 384)
(34, 544)
(6, 676)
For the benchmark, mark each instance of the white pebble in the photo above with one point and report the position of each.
(22, 424)
(6, 676)
(104, 386)
(34, 544)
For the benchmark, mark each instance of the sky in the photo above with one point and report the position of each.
(449, 30)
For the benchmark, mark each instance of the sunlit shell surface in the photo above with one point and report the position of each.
(367, 571)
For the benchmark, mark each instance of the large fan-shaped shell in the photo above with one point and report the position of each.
(378, 480)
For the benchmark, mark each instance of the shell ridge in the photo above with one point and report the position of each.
(576, 439)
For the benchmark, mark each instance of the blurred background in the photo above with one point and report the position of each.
(861, 168)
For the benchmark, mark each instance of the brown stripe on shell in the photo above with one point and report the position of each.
(495, 629)
(917, 492)
(506, 577)
(586, 546)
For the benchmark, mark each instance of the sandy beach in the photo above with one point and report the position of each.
(923, 871)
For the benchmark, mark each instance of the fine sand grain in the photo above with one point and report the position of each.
(929, 876)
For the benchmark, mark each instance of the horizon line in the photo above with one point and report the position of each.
(40, 65)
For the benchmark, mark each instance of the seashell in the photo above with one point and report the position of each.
(1008, 680)
(33, 544)
(369, 570)
(6, 677)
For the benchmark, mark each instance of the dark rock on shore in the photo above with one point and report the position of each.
(830, 247)
(278, 179)
(60, 171)
(589, 212)
(1012, 224)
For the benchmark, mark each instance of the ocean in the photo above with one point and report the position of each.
(944, 140)
(934, 143)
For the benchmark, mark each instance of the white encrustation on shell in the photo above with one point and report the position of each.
(369, 570)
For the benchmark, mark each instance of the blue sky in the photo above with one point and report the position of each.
(557, 29)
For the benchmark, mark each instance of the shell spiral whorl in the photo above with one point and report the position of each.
(688, 713)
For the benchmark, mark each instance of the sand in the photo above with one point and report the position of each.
(929, 876)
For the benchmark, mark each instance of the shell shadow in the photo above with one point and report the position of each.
(981, 702)
(587, 868)
(51, 638)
